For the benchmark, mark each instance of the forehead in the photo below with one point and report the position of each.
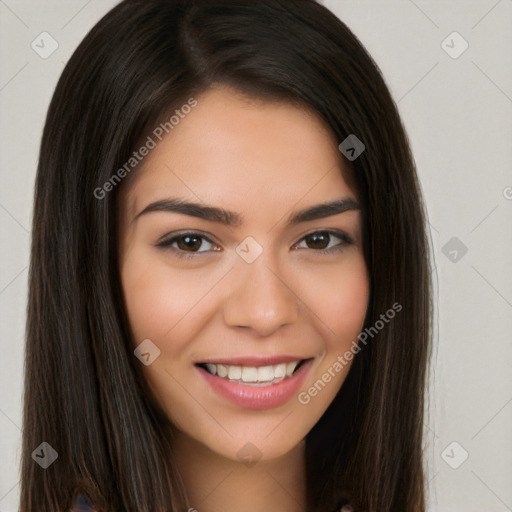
(245, 152)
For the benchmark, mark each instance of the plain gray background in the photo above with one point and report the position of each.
(456, 107)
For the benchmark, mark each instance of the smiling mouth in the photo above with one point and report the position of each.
(253, 375)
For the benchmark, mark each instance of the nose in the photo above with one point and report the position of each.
(259, 298)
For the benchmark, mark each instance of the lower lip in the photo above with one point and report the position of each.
(258, 397)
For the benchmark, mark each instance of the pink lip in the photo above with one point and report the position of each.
(258, 397)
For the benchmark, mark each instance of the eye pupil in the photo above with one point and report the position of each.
(190, 242)
(319, 240)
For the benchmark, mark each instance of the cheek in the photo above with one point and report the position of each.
(339, 300)
(159, 300)
(146, 295)
(347, 308)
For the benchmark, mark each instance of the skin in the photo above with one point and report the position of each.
(263, 160)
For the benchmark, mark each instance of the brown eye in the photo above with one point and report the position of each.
(187, 242)
(325, 241)
(318, 240)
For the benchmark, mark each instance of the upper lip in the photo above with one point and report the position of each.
(254, 360)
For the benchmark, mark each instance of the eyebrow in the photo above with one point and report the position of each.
(229, 218)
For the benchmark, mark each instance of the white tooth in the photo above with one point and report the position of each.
(222, 370)
(234, 372)
(290, 367)
(265, 373)
(280, 370)
(212, 368)
(249, 374)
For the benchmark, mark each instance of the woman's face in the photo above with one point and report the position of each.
(251, 278)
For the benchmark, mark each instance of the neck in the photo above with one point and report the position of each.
(217, 484)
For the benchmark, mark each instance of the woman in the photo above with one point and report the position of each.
(229, 291)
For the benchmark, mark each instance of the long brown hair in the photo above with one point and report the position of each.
(84, 390)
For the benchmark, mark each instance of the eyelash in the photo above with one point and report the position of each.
(166, 242)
